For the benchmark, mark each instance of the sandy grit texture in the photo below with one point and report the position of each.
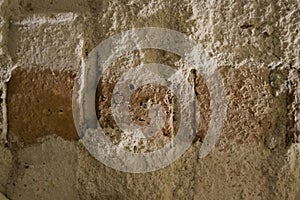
(43, 44)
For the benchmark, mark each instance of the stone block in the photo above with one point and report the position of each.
(40, 103)
(47, 41)
(45, 171)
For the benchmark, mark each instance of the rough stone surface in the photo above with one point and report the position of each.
(6, 161)
(256, 126)
(256, 47)
(3, 5)
(5, 167)
(40, 40)
(2, 197)
(175, 181)
(52, 6)
(45, 171)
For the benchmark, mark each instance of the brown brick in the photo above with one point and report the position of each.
(40, 104)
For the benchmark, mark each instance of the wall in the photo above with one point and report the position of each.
(256, 46)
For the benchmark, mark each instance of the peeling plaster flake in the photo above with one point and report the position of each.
(39, 20)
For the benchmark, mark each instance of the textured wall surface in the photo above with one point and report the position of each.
(256, 44)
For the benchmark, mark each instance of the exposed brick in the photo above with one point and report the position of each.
(145, 97)
(40, 104)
